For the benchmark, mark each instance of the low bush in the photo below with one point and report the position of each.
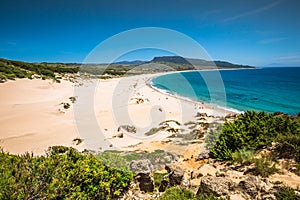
(113, 160)
(178, 193)
(265, 166)
(158, 177)
(63, 174)
(253, 131)
(243, 157)
(286, 193)
(288, 146)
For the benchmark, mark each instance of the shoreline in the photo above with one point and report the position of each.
(32, 117)
(207, 104)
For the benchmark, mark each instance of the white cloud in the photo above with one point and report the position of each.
(253, 12)
(271, 40)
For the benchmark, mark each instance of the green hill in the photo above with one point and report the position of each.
(10, 69)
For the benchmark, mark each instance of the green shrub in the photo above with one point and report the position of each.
(158, 176)
(208, 197)
(286, 193)
(265, 166)
(178, 193)
(251, 131)
(131, 156)
(113, 160)
(16, 69)
(288, 146)
(63, 174)
(243, 157)
(11, 76)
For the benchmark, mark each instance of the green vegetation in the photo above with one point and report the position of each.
(107, 71)
(181, 63)
(10, 69)
(158, 177)
(252, 131)
(265, 166)
(286, 193)
(114, 160)
(63, 174)
(243, 157)
(121, 160)
(178, 193)
(184, 194)
(288, 146)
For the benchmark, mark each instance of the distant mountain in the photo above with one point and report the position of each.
(134, 62)
(196, 62)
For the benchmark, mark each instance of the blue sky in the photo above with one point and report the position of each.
(259, 32)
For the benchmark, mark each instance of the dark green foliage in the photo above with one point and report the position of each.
(10, 69)
(288, 146)
(184, 194)
(243, 157)
(251, 131)
(63, 174)
(265, 166)
(286, 193)
(113, 160)
(178, 193)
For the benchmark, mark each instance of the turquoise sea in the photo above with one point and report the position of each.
(263, 89)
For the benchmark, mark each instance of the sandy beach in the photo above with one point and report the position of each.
(32, 117)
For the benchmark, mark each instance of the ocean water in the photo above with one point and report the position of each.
(264, 89)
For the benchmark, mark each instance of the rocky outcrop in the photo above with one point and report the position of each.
(146, 182)
(173, 178)
(250, 185)
(143, 170)
(219, 186)
(141, 166)
(203, 170)
(203, 155)
(175, 175)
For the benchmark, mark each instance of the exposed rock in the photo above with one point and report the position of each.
(250, 185)
(203, 155)
(141, 166)
(196, 174)
(175, 174)
(268, 197)
(143, 169)
(164, 184)
(236, 197)
(219, 186)
(185, 183)
(127, 128)
(146, 182)
(174, 177)
(205, 169)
